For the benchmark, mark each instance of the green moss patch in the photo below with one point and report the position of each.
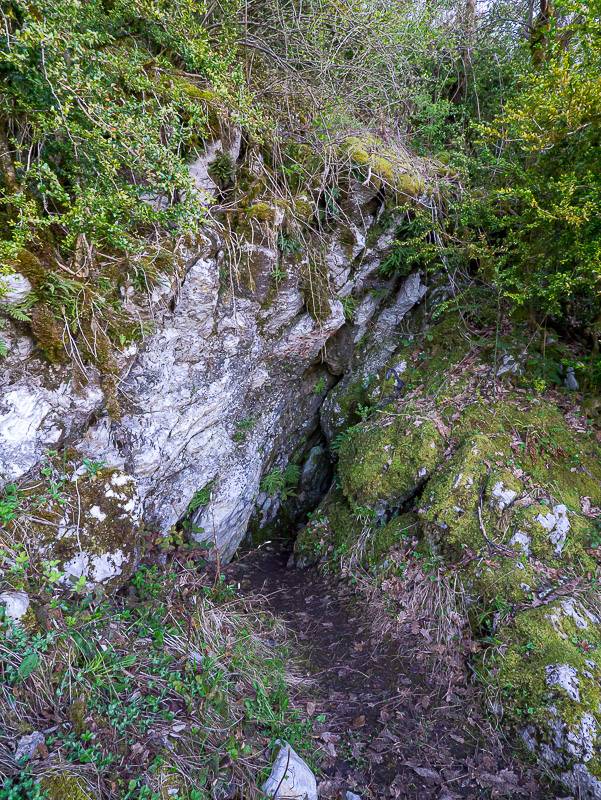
(388, 461)
(388, 167)
(65, 786)
(550, 657)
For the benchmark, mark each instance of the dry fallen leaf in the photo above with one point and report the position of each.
(428, 774)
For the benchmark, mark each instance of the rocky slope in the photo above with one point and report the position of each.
(491, 485)
(278, 348)
(251, 327)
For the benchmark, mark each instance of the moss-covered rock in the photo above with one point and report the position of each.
(388, 167)
(337, 534)
(86, 526)
(65, 786)
(506, 489)
(330, 534)
(548, 670)
(386, 462)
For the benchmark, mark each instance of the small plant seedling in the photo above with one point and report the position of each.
(93, 467)
(201, 498)
(320, 386)
(282, 482)
(243, 427)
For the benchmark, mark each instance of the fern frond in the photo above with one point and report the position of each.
(18, 313)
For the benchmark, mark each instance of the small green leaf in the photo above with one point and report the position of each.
(28, 665)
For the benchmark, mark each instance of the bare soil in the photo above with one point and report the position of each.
(387, 721)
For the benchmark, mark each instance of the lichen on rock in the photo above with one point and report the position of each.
(88, 524)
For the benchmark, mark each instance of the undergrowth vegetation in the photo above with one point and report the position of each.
(172, 687)
(106, 105)
(475, 134)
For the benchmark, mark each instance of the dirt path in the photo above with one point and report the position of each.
(392, 729)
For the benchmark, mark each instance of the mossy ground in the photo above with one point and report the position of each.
(63, 786)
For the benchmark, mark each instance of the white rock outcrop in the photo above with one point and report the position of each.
(14, 288)
(16, 604)
(231, 346)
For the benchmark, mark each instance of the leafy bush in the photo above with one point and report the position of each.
(97, 93)
(545, 233)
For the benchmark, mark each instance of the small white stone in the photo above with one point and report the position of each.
(547, 521)
(107, 566)
(509, 365)
(504, 497)
(96, 512)
(16, 604)
(121, 479)
(579, 615)
(557, 525)
(521, 540)
(566, 677)
(290, 777)
(14, 289)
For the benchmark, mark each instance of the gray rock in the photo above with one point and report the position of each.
(14, 289)
(557, 525)
(352, 796)
(566, 678)
(521, 540)
(509, 366)
(27, 746)
(502, 497)
(16, 604)
(570, 381)
(290, 778)
(217, 357)
(583, 783)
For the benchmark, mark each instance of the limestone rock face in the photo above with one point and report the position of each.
(41, 406)
(223, 390)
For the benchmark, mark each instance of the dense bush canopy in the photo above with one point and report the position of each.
(104, 104)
